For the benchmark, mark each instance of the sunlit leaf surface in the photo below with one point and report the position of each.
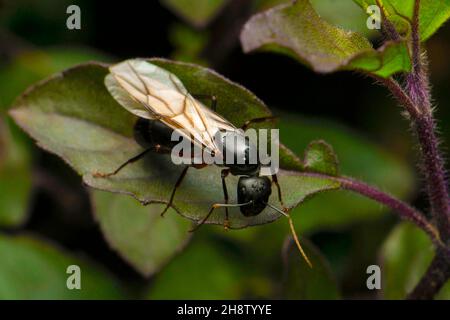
(297, 30)
(432, 15)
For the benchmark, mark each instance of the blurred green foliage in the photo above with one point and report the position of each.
(188, 43)
(198, 12)
(15, 158)
(33, 269)
(215, 264)
(203, 271)
(31, 66)
(302, 282)
(15, 176)
(358, 158)
(405, 256)
(142, 237)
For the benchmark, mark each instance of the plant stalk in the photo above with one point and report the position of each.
(434, 173)
(434, 279)
(404, 210)
(416, 99)
(417, 88)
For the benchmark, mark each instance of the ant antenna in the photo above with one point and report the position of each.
(294, 234)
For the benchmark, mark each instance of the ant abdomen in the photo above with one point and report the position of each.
(149, 133)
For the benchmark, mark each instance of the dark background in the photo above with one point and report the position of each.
(120, 30)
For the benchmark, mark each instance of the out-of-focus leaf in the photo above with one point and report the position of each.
(15, 171)
(15, 177)
(343, 13)
(432, 15)
(261, 5)
(203, 271)
(405, 256)
(198, 13)
(303, 282)
(297, 30)
(141, 236)
(188, 43)
(94, 134)
(320, 157)
(33, 269)
(358, 158)
(31, 66)
(289, 160)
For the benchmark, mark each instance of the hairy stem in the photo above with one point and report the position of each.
(388, 27)
(404, 210)
(417, 88)
(416, 99)
(434, 279)
(434, 172)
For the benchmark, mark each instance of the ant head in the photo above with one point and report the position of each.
(256, 190)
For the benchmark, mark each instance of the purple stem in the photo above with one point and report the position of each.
(417, 101)
(417, 88)
(404, 210)
(388, 27)
(434, 279)
(434, 172)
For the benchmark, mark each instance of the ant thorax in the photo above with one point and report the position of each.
(239, 153)
(236, 150)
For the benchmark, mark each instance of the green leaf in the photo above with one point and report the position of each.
(34, 269)
(138, 232)
(405, 256)
(305, 283)
(432, 15)
(345, 14)
(203, 271)
(93, 134)
(199, 12)
(289, 160)
(358, 157)
(391, 58)
(15, 171)
(297, 30)
(320, 157)
(188, 43)
(15, 177)
(31, 66)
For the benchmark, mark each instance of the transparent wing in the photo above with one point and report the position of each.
(151, 92)
(125, 99)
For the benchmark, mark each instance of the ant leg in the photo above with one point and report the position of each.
(156, 148)
(202, 222)
(247, 123)
(123, 165)
(224, 174)
(177, 184)
(210, 97)
(275, 180)
(214, 206)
